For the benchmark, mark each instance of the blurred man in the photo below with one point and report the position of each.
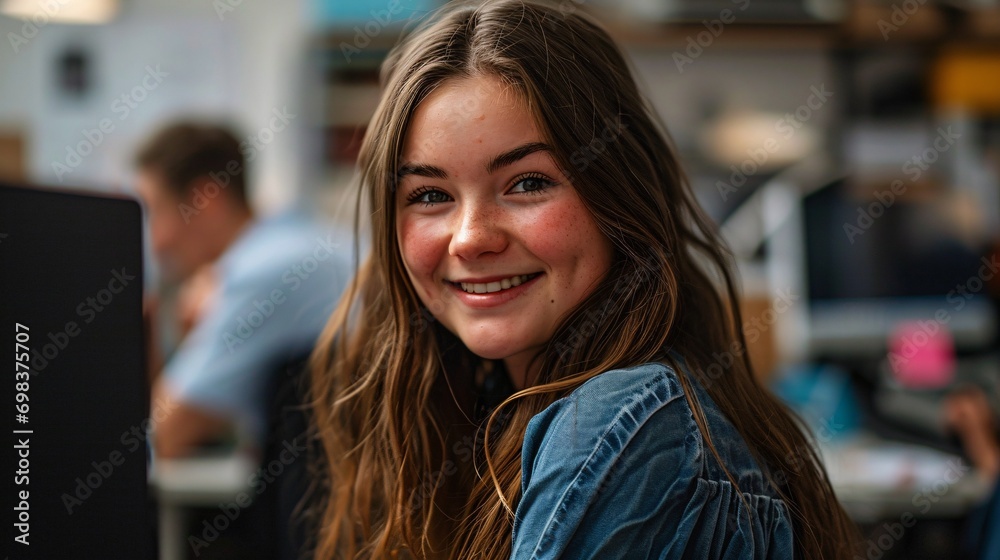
(255, 293)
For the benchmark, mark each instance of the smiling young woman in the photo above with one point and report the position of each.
(489, 226)
(522, 367)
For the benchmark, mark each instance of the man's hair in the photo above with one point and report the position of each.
(185, 151)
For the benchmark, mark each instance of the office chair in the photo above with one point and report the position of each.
(289, 443)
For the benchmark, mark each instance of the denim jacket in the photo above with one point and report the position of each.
(619, 470)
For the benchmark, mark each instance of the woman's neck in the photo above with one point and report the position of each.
(518, 368)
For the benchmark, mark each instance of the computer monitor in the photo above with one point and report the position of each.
(76, 392)
(878, 257)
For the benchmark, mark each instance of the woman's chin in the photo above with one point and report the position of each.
(491, 347)
(488, 351)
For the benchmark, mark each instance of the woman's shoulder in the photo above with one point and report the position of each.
(636, 389)
(617, 400)
(655, 379)
(643, 411)
(601, 417)
(618, 468)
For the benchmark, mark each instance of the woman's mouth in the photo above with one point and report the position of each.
(495, 286)
(497, 291)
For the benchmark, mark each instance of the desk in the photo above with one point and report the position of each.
(877, 480)
(874, 479)
(193, 482)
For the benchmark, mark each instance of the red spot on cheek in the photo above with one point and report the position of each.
(550, 231)
(418, 249)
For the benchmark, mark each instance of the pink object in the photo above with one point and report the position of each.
(922, 355)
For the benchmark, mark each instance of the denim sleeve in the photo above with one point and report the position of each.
(617, 470)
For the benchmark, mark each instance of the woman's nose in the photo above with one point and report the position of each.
(478, 230)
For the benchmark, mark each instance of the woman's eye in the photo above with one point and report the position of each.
(531, 185)
(427, 196)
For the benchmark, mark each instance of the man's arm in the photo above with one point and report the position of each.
(182, 427)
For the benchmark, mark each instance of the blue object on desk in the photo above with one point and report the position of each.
(822, 396)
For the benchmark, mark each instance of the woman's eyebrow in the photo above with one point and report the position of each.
(421, 170)
(503, 160)
(512, 156)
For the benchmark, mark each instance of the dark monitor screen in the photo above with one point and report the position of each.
(71, 314)
(864, 248)
(877, 258)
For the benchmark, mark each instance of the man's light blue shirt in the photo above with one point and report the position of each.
(278, 284)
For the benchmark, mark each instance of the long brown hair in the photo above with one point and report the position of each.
(385, 371)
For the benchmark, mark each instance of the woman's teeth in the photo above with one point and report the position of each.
(496, 286)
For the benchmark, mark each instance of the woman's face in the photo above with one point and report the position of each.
(495, 239)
